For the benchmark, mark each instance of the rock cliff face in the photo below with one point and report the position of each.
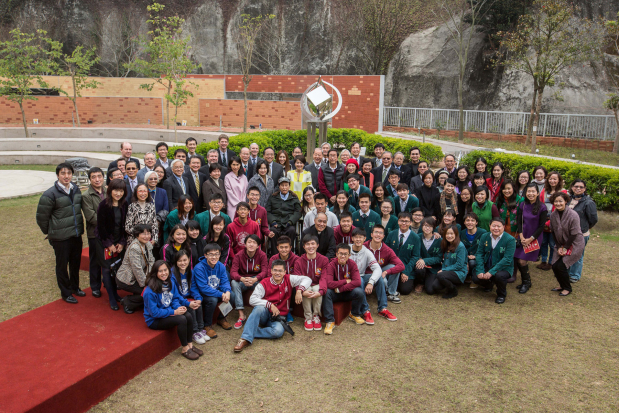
(422, 74)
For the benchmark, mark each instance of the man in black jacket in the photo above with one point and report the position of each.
(224, 154)
(325, 235)
(196, 180)
(59, 215)
(276, 171)
(176, 185)
(283, 213)
(314, 166)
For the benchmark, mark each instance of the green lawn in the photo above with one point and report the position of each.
(536, 353)
(19, 167)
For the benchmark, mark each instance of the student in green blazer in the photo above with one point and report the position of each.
(393, 179)
(454, 268)
(356, 190)
(495, 264)
(426, 267)
(172, 219)
(409, 201)
(388, 220)
(216, 203)
(470, 238)
(406, 245)
(365, 218)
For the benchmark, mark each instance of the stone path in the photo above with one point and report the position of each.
(19, 183)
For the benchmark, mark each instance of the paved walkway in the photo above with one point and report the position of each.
(454, 147)
(19, 183)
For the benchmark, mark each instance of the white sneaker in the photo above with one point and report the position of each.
(204, 335)
(197, 338)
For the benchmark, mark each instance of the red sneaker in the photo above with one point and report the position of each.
(309, 325)
(387, 314)
(239, 323)
(368, 318)
(317, 323)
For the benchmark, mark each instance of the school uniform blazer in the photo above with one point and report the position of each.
(354, 201)
(372, 219)
(204, 219)
(174, 190)
(471, 247)
(409, 251)
(411, 203)
(502, 254)
(192, 191)
(432, 256)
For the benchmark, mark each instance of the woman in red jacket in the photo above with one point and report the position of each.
(496, 180)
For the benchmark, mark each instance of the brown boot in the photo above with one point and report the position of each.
(241, 345)
(190, 355)
(223, 323)
(210, 332)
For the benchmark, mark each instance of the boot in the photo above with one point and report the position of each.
(526, 279)
(516, 267)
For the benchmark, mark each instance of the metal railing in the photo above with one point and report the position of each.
(601, 127)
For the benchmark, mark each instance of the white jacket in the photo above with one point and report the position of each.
(366, 262)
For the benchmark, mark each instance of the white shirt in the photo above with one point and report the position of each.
(133, 183)
(427, 242)
(64, 188)
(406, 234)
(165, 163)
(495, 241)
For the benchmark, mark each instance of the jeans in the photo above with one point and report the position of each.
(94, 268)
(548, 242)
(181, 322)
(198, 318)
(357, 296)
(259, 325)
(390, 281)
(500, 279)
(68, 253)
(576, 269)
(208, 308)
(379, 289)
(238, 288)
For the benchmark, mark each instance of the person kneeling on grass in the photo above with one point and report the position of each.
(165, 308)
(270, 302)
(454, 269)
(344, 284)
(372, 281)
(210, 285)
(312, 264)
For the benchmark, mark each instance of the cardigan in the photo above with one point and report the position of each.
(567, 234)
(431, 257)
(456, 261)
(471, 247)
(204, 219)
(410, 250)
(372, 219)
(502, 254)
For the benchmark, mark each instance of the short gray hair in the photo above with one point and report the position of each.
(212, 151)
(326, 143)
(150, 153)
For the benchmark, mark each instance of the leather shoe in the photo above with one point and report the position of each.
(70, 299)
(197, 350)
(241, 345)
(524, 288)
(114, 307)
(500, 300)
(127, 310)
(80, 293)
(96, 293)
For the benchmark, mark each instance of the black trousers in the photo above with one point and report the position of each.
(448, 280)
(562, 274)
(68, 252)
(94, 268)
(500, 279)
(290, 231)
(472, 267)
(134, 301)
(183, 324)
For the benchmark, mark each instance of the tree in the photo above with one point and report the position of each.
(613, 104)
(167, 54)
(499, 16)
(546, 42)
(612, 33)
(24, 58)
(249, 30)
(178, 97)
(78, 65)
(454, 15)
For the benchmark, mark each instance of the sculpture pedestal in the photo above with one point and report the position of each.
(311, 136)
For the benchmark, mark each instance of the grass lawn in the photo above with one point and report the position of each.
(587, 155)
(537, 353)
(20, 167)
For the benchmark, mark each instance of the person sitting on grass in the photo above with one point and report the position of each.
(270, 301)
(210, 285)
(181, 276)
(371, 280)
(495, 259)
(284, 248)
(312, 264)
(406, 244)
(365, 218)
(165, 308)
(428, 263)
(343, 232)
(248, 267)
(344, 284)
(453, 270)
(390, 264)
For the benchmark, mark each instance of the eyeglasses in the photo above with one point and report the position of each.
(213, 255)
(130, 169)
(578, 187)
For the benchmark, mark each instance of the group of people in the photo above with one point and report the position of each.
(187, 237)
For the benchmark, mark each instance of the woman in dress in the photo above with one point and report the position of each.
(494, 183)
(263, 182)
(235, 183)
(299, 177)
(531, 219)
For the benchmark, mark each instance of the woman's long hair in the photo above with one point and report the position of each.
(511, 201)
(447, 246)
(181, 207)
(177, 272)
(152, 280)
(115, 184)
(559, 186)
(185, 245)
(210, 235)
(538, 202)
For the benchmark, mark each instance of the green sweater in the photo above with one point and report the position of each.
(204, 219)
(471, 247)
(354, 200)
(484, 214)
(391, 225)
(502, 254)
(431, 257)
(409, 252)
(456, 261)
(372, 219)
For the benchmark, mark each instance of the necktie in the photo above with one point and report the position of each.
(223, 158)
(384, 173)
(253, 162)
(183, 186)
(401, 240)
(132, 185)
(197, 180)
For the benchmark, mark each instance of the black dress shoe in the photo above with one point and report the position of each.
(96, 293)
(80, 293)
(70, 299)
(500, 300)
(114, 307)
(127, 310)
(524, 288)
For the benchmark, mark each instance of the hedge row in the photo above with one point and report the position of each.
(602, 183)
(288, 140)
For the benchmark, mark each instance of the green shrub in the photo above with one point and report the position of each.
(288, 140)
(602, 183)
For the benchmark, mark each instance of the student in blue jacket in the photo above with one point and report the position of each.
(454, 268)
(165, 308)
(210, 285)
(181, 275)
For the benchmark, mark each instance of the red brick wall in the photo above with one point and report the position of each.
(58, 109)
(360, 95)
(272, 114)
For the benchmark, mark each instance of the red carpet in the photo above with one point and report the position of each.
(68, 357)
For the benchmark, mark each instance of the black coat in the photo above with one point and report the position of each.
(311, 167)
(174, 190)
(277, 172)
(193, 193)
(378, 175)
(105, 224)
(429, 201)
(229, 155)
(326, 241)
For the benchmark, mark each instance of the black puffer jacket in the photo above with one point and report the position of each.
(281, 211)
(60, 215)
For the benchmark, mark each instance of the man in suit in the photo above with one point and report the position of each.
(381, 172)
(379, 149)
(355, 190)
(181, 154)
(495, 259)
(314, 166)
(177, 184)
(162, 151)
(125, 151)
(416, 181)
(326, 147)
(276, 171)
(223, 153)
(211, 158)
(192, 144)
(149, 165)
(131, 180)
(196, 180)
(254, 150)
(398, 165)
(413, 166)
(355, 153)
(247, 167)
(450, 167)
